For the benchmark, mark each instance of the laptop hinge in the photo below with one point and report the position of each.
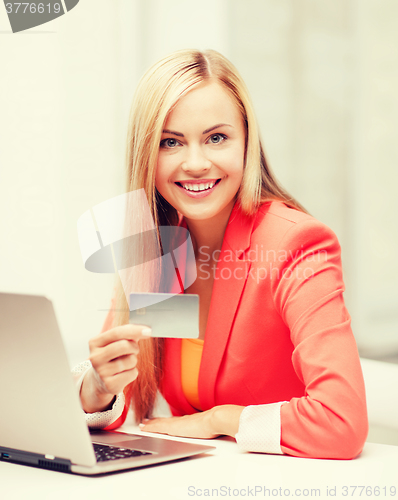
(34, 459)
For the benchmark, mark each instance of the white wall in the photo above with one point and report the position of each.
(323, 77)
(65, 93)
(62, 131)
(375, 176)
(324, 80)
(168, 26)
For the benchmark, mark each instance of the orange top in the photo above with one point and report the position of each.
(191, 356)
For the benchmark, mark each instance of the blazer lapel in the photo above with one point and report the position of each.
(230, 277)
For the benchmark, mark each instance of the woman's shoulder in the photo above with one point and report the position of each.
(278, 210)
(277, 221)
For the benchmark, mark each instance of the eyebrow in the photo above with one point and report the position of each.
(166, 131)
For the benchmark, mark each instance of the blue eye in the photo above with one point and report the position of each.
(217, 138)
(168, 143)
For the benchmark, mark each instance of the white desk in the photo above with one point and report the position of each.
(225, 467)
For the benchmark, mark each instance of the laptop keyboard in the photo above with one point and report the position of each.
(104, 452)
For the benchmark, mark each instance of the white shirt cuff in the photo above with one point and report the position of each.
(100, 419)
(79, 371)
(260, 428)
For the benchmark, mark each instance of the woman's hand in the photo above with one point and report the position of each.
(220, 420)
(113, 355)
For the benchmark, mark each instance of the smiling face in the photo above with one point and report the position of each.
(201, 153)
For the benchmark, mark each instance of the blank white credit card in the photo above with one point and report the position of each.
(168, 315)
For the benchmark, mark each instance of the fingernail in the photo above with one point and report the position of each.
(146, 331)
(141, 426)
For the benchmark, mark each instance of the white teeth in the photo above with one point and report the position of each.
(198, 187)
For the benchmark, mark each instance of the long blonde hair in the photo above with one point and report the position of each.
(157, 93)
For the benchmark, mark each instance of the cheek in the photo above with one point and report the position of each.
(160, 175)
(234, 164)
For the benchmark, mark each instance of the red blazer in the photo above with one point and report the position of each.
(278, 330)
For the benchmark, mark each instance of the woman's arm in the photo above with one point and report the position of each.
(330, 421)
(113, 416)
(112, 365)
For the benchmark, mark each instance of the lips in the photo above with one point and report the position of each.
(194, 192)
(199, 185)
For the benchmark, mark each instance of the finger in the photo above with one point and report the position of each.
(128, 332)
(116, 383)
(122, 364)
(116, 349)
(124, 378)
(146, 421)
(116, 366)
(155, 428)
(157, 424)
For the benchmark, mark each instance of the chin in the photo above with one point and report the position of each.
(204, 214)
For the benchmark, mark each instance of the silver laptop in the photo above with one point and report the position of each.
(41, 420)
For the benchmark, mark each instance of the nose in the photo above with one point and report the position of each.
(195, 162)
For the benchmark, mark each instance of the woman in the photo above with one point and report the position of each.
(276, 364)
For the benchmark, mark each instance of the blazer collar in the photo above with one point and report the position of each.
(238, 231)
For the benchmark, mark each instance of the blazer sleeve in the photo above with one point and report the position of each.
(330, 420)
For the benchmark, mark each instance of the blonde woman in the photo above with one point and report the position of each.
(276, 365)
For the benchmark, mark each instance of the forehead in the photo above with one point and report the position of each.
(210, 102)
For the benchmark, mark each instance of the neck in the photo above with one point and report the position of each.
(207, 235)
